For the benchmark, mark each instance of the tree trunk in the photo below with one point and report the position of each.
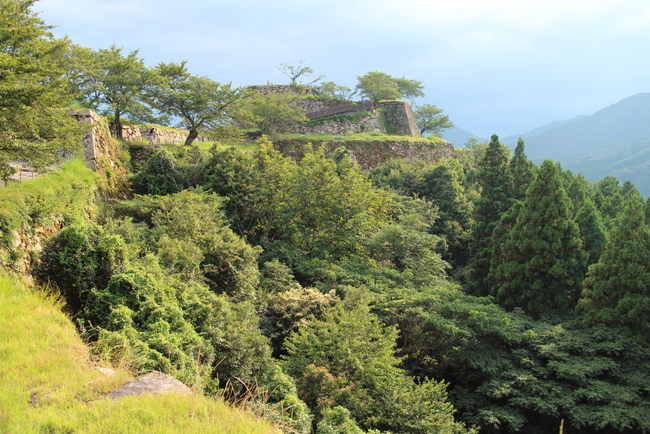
(190, 138)
(118, 126)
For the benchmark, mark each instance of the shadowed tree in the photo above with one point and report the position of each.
(616, 289)
(523, 171)
(543, 263)
(496, 197)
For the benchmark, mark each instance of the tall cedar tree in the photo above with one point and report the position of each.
(543, 265)
(523, 171)
(592, 230)
(496, 197)
(499, 237)
(616, 290)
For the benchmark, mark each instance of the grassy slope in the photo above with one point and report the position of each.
(48, 383)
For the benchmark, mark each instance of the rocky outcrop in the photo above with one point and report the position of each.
(151, 383)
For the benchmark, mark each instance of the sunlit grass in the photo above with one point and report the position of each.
(49, 383)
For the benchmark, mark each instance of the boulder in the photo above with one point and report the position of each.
(153, 382)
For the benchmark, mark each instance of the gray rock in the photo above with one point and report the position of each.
(153, 382)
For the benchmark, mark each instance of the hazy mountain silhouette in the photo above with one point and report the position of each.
(613, 141)
(458, 137)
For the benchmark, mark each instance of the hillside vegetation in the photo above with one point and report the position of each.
(50, 382)
(323, 289)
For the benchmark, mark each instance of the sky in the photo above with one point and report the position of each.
(495, 67)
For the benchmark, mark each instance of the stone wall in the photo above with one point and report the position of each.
(340, 125)
(370, 154)
(283, 88)
(168, 136)
(399, 119)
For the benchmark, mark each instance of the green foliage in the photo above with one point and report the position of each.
(190, 225)
(159, 176)
(347, 359)
(78, 260)
(62, 196)
(616, 287)
(108, 81)
(337, 421)
(592, 231)
(523, 171)
(378, 86)
(200, 103)
(332, 90)
(245, 181)
(509, 373)
(295, 72)
(543, 264)
(496, 184)
(291, 309)
(275, 112)
(429, 118)
(33, 123)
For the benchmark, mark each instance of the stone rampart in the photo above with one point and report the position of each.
(283, 88)
(399, 118)
(370, 154)
(341, 125)
(168, 136)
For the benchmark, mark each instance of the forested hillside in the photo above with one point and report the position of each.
(479, 292)
(611, 142)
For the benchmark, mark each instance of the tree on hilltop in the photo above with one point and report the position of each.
(33, 122)
(378, 86)
(295, 72)
(200, 103)
(111, 83)
(429, 118)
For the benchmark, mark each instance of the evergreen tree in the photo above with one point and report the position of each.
(543, 264)
(608, 200)
(617, 288)
(523, 171)
(496, 197)
(592, 230)
(578, 188)
(499, 238)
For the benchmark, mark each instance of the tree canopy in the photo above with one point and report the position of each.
(378, 86)
(200, 103)
(34, 126)
(429, 118)
(110, 82)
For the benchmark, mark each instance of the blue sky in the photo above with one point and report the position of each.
(499, 66)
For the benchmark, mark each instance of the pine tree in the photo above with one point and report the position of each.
(523, 171)
(544, 261)
(617, 288)
(496, 197)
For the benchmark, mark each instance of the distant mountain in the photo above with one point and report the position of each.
(458, 137)
(613, 141)
(512, 139)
